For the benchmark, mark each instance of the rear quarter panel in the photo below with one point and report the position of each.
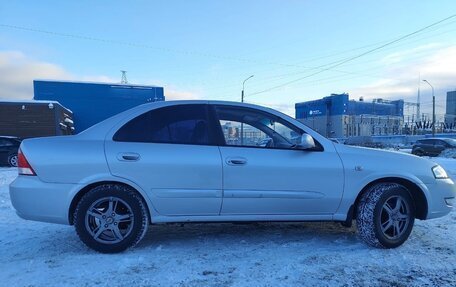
(66, 159)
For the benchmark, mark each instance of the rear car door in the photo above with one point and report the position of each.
(264, 172)
(168, 152)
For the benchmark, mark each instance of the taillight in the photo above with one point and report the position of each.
(23, 165)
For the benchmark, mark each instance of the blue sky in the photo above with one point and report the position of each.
(205, 49)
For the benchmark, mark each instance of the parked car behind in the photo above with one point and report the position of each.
(173, 162)
(8, 150)
(432, 146)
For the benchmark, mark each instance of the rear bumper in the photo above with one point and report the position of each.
(439, 192)
(42, 201)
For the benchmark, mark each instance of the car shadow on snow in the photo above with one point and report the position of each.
(319, 233)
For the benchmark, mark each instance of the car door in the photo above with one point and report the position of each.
(433, 147)
(264, 172)
(427, 146)
(168, 153)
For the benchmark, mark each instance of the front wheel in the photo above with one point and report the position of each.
(385, 215)
(111, 218)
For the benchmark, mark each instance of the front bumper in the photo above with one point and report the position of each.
(36, 200)
(438, 197)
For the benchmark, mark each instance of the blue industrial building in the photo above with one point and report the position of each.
(94, 102)
(338, 116)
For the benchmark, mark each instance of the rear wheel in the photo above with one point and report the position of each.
(12, 160)
(385, 215)
(111, 218)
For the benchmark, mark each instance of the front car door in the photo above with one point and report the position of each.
(168, 153)
(430, 146)
(265, 173)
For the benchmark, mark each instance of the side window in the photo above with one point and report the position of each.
(441, 143)
(248, 127)
(5, 142)
(182, 124)
(252, 136)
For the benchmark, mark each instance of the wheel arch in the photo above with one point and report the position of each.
(77, 197)
(417, 194)
(418, 150)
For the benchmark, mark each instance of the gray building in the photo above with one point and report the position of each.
(450, 114)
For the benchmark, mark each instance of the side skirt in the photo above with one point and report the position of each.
(247, 218)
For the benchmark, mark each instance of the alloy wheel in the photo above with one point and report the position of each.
(109, 220)
(394, 217)
(13, 160)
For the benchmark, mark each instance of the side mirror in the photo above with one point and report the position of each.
(307, 142)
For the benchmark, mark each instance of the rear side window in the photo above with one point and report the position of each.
(5, 142)
(183, 124)
(427, 142)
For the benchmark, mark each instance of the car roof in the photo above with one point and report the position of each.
(436, 139)
(9, 137)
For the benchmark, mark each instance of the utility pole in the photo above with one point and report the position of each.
(418, 100)
(433, 108)
(242, 100)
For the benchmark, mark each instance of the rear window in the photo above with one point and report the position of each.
(425, 141)
(183, 124)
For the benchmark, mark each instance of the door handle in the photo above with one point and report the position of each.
(128, 156)
(236, 161)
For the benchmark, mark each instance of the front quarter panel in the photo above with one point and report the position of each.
(363, 166)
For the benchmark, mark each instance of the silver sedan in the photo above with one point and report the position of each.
(206, 161)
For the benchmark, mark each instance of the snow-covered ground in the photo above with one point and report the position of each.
(266, 254)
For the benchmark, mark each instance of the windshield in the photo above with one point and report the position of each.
(451, 142)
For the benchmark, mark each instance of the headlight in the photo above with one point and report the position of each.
(439, 172)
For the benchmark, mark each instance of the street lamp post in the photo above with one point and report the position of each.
(243, 85)
(433, 108)
(242, 100)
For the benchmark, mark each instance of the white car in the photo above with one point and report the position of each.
(198, 161)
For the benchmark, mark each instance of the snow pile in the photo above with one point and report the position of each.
(264, 254)
(448, 153)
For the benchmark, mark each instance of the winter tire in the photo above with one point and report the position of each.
(12, 160)
(111, 218)
(385, 215)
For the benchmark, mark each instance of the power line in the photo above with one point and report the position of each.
(146, 46)
(360, 73)
(343, 61)
(331, 65)
(139, 45)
